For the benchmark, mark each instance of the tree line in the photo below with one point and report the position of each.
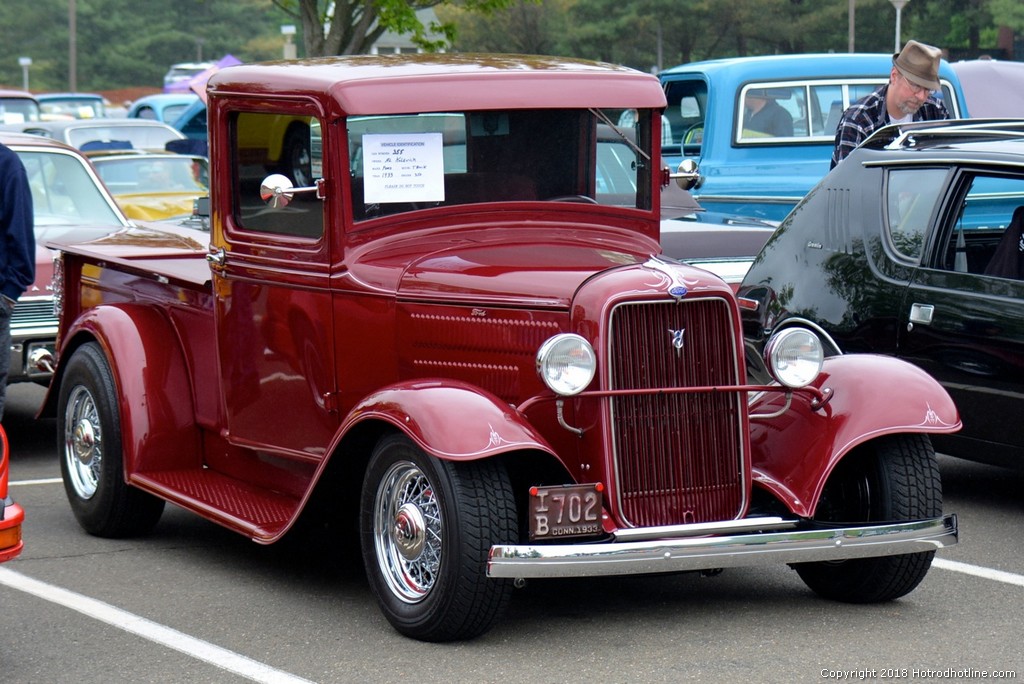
(123, 43)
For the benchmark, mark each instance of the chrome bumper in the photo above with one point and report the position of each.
(723, 550)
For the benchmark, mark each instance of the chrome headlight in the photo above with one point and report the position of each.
(566, 363)
(794, 356)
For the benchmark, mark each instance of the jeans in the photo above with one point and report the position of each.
(5, 348)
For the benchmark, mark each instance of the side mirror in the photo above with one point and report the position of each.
(687, 176)
(277, 190)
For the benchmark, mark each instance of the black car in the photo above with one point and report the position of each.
(913, 247)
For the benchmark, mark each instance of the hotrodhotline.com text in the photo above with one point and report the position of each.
(916, 674)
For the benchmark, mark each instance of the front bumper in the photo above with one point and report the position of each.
(721, 550)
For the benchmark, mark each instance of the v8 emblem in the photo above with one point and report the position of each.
(677, 339)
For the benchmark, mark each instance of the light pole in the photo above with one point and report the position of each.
(25, 63)
(851, 12)
(898, 4)
(72, 46)
(288, 31)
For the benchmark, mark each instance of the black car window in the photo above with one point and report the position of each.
(911, 196)
(985, 238)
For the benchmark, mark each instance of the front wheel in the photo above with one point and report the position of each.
(898, 479)
(91, 461)
(426, 527)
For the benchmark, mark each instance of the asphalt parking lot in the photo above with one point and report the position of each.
(193, 602)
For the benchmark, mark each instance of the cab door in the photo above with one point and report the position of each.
(965, 326)
(271, 270)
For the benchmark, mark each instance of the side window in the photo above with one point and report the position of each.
(911, 196)
(829, 101)
(263, 144)
(986, 236)
(770, 112)
(687, 105)
(784, 113)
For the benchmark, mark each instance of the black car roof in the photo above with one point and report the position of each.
(920, 135)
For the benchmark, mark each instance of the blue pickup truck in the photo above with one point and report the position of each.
(748, 168)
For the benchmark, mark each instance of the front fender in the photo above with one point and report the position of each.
(450, 420)
(153, 388)
(794, 453)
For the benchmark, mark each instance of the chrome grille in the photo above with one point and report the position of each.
(679, 457)
(33, 312)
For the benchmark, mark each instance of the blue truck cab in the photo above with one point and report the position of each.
(762, 165)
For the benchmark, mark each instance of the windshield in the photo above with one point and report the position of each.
(73, 107)
(154, 174)
(145, 137)
(14, 110)
(405, 162)
(64, 193)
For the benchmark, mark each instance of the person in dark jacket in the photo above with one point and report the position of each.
(908, 96)
(765, 115)
(18, 253)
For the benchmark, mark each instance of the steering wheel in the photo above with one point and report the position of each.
(694, 133)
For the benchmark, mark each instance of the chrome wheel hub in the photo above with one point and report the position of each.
(407, 527)
(83, 442)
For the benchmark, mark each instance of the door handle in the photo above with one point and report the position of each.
(216, 259)
(920, 313)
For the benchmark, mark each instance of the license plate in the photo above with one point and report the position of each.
(565, 511)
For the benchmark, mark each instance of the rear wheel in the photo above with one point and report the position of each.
(91, 461)
(426, 528)
(295, 158)
(896, 480)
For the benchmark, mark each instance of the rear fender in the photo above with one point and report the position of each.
(871, 396)
(158, 429)
(450, 420)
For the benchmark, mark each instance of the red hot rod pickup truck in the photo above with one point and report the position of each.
(457, 341)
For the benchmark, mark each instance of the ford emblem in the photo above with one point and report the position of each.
(677, 291)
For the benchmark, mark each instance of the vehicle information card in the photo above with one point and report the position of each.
(403, 168)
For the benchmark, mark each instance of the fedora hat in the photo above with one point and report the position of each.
(919, 64)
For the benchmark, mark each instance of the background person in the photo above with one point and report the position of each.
(17, 253)
(908, 96)
(765, 115)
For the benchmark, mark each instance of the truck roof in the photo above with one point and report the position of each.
(375, 84)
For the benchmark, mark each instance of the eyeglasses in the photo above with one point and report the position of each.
(914, 88)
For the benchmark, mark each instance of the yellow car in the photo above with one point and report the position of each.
(152, 186)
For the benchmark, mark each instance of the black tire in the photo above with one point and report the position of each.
(91, 460)
(295, 156)
(431, 583)
(895, 478)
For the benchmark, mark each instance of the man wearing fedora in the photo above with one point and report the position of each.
(908, 96)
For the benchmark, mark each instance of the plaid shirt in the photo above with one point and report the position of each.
(868, 114)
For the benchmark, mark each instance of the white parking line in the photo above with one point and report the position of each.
(147, 629)
(979, 571)
(22, 483)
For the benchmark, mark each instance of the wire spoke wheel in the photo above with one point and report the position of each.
(83, 442)
(407, 531)
(91, 461)
(426, 527)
